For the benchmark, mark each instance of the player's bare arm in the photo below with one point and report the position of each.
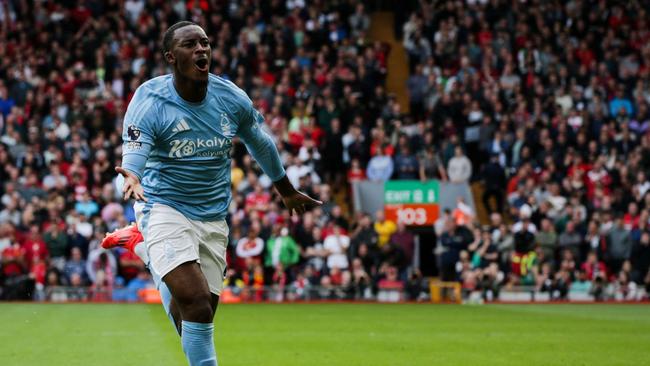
(293, 199)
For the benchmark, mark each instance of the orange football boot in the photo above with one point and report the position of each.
(127, 237)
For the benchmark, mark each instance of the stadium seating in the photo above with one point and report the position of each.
(543, 104)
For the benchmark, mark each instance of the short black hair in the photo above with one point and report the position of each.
(169, 34)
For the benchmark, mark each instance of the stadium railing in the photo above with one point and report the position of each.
(229, 294)
(437, 292)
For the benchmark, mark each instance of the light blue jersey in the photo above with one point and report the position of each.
(181, 150)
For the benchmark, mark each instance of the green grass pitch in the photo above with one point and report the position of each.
(332, 334)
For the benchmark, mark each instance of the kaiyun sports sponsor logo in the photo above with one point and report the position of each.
(216, 146)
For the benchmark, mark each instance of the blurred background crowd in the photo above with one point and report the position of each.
(541, 106)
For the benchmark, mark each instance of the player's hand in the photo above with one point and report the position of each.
(132, 186)
(299, 202)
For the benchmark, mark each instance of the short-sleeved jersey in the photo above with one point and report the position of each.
(181, 150)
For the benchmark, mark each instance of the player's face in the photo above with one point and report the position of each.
(191, 53)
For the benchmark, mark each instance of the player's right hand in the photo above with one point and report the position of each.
(132, 186)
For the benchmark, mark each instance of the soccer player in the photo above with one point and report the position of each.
(178, 132)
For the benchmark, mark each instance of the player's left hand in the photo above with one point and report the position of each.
(132, 186)
(299, 202)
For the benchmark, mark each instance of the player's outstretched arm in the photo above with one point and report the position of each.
(295, 200)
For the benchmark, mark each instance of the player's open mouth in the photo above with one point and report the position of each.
(201, 64)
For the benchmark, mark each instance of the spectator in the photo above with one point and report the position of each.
(593, 268)
(360, 280)
(384, 228)
(35, 248)
(101, 267)
(57, 243)
(380, 167)
(13, 259)
(620, 105)
(463, 214)
(431, 167)
(129, 266)
(417, 85)
(640, 258)
(359, 21)
(523, 258)
(336, 246)
(405, 240)
(257, 201)
(249, 246)
(55, 180)
(140, 282)
(85, 205)
(483, 249)
(282, 250)
(571, 239)
(6, 102)
(355, 174)
(620, 246)
(76, 265)
(453, 240)
(406, 164)
(364, 233)
(459, 168)
(547, 240)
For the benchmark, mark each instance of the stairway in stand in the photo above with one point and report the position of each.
(481, 211)
(381, 29)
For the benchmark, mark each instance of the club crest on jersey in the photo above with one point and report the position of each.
(225, 124)
(133, 132)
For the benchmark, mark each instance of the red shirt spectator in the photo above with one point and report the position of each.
(355, 173)
(258, 200)
(594, 268)
(35, 247)
(13, 260)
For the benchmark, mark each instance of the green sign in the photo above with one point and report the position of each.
(411, 192)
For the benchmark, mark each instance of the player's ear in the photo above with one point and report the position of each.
(169, 56)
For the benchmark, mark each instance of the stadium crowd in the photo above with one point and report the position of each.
(544, 103)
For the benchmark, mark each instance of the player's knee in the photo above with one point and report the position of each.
(196, 307)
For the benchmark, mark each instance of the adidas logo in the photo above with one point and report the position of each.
(181, 126)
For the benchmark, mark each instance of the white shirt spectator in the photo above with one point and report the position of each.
(459, 168)
(306, 154)
(336, 245)
(380, 168)
(54, 181)
(295, 172)
(118, 87)
(643, 188)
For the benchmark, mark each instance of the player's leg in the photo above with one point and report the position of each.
(213, 241)
(173, 249)
(191, 294)
(212, 238)
(173, 311)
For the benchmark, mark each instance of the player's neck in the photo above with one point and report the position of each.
(190, 90)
